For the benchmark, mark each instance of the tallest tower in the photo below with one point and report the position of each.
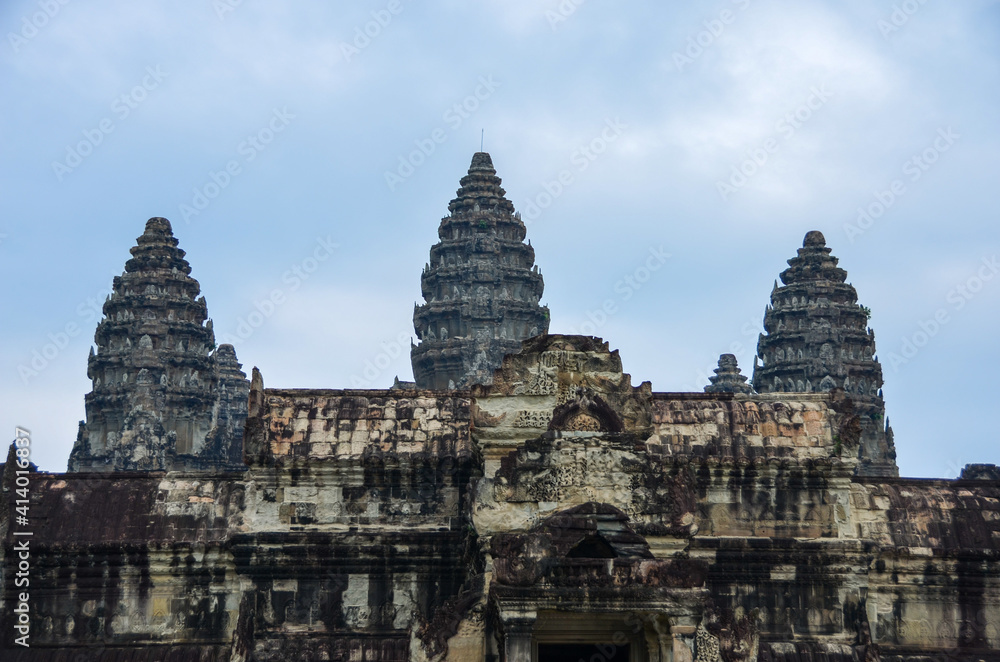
(481, 287)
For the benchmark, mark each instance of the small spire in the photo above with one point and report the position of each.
(728, 378)
(256, 400)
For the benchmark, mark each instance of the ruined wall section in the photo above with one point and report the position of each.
(357, 458)
(357, 536)
(935, 583)
(134, 558)
(752, 493)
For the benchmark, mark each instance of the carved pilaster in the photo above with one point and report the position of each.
(517, 639)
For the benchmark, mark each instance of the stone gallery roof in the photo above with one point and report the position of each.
(930, 517)
(318, 425)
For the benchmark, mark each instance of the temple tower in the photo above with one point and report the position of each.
(817, 339)
(161, 398)
(481, 287)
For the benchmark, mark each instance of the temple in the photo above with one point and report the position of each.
(164, 397)
(481, 287)
(818, 340)
(520, 501)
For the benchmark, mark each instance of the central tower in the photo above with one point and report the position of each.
(481, 287)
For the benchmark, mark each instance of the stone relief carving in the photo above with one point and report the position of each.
(532, 419)
(706, 646)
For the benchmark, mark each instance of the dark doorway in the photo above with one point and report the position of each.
(582, 653)
(592, 547)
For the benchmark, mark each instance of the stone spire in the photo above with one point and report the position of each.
(160, 400)
(225, 442)
(728, 378)
(817, 339)
(481, 287)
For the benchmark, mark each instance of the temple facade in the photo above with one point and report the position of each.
(520, 501)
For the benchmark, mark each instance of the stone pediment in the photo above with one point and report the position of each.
(567, 384)
(587, 412)
(593, 544)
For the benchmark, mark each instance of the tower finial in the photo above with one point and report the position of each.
(814, 238)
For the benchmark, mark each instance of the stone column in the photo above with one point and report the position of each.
(658, 640)
(517, 640)
(682, 631)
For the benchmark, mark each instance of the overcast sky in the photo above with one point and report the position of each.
(263, 130)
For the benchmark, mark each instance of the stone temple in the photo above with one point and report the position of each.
(162, 398)
(520, 501)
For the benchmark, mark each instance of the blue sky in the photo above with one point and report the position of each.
(263, 130)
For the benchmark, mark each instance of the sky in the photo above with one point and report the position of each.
(704, 138)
